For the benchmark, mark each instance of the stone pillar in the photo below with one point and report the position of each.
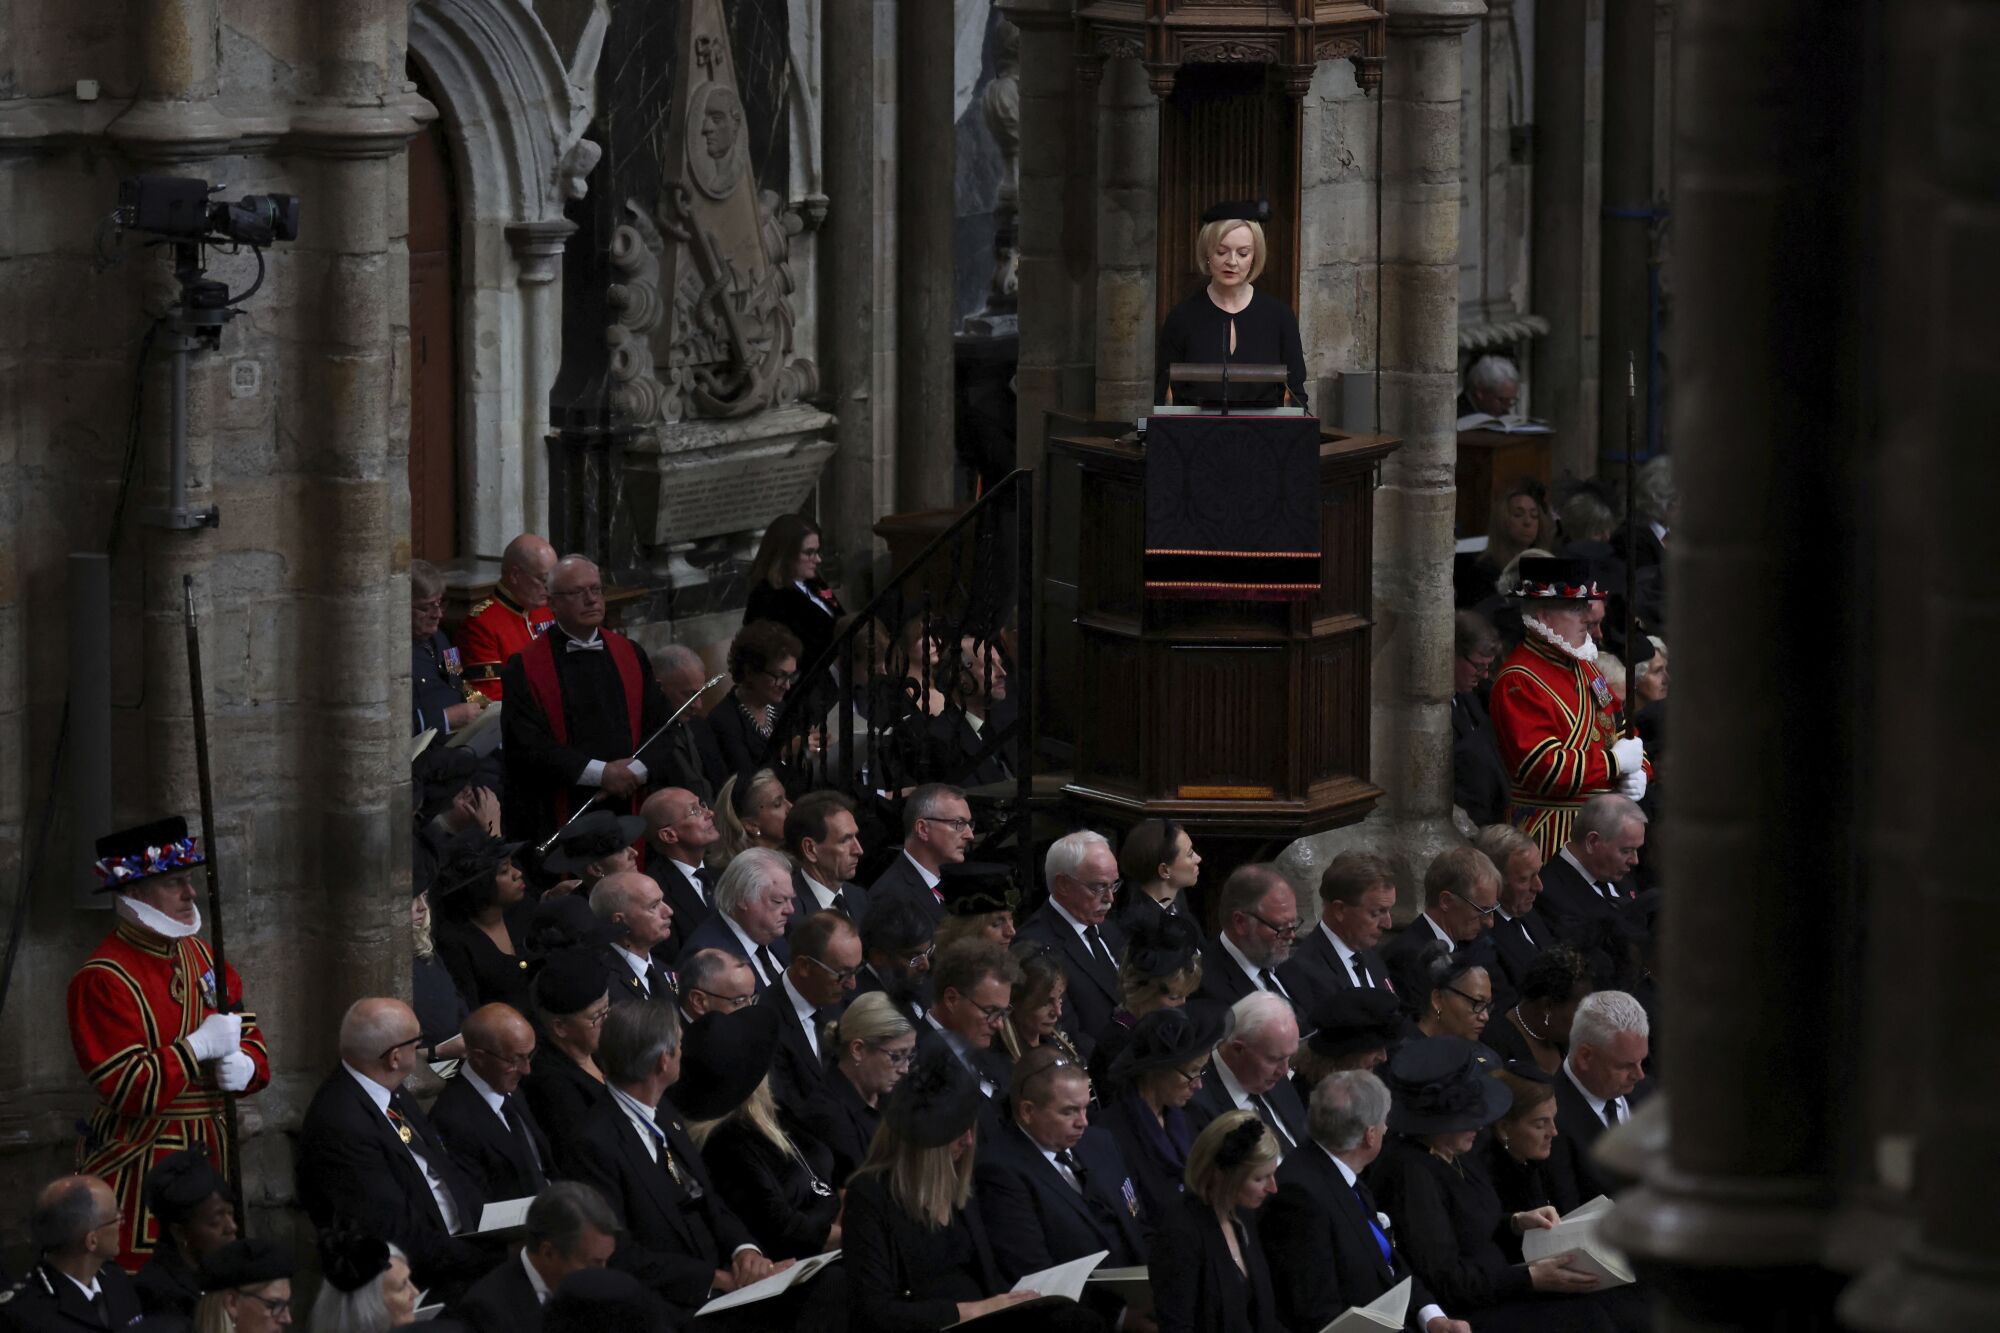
(538, 249)
(1128, 205)
(1568, 199)
(1731, 1223)
(1627, 228)
(926, 456)
(174, 117)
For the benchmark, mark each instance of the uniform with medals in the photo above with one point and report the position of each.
(134, 1009)
(48, 1300)
(498, 628)
(437, 682)
(1553, 713)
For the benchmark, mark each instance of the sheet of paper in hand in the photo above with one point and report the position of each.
(775, 1285)
(1386, 1311)
(1576, 1237)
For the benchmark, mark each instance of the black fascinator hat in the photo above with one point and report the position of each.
(350, 1259)
(937, 1101)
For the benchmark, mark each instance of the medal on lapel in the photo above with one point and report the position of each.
(452, 667)
(1600, 690)
(403, 1133)
(1131, 1196)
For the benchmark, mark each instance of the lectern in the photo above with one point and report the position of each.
(1244, 717)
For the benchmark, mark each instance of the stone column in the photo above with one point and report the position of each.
(1627, 230)
(538, 249)
(174, 117)
(1731, 1223)
(1568, 198)
(926, 457)
(1128, 205)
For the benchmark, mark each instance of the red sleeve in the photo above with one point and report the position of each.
(478, 643)
(136, 1068)
(1541, 744)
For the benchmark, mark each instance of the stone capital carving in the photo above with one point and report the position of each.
(1433, 18)
(538, 248)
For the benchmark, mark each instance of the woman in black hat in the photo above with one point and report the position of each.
(1151, 1082)
(979, 902)
(247, 1288)
(917, 1255)
(596, 845)
(1354, 1028)
(478, 931)
(196, 1211)
(1447, 1215)
(875, 1044)
(570, 997)
(773, 1177)
(367, 1287)
(1229, 319)
(1160, 969)
(1207, 1266)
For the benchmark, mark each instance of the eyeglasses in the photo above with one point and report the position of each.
(110, 1221)
(278, 1308)
(960, 824)
(731, 1002)
(920, 959)
(809, 553)
(1479, 1006)
(896, 1059)
(1483, 911)
(1282, 932)
(1194, 1078)
(595, 1018)
(698, 808)
(841, 974)
(509, 1061)
(782, 677)
(995, 1015)
(1107, 889)
(412, 1043)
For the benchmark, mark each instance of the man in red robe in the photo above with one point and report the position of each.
(1552, 710)
(149, 1030)
(512, 618)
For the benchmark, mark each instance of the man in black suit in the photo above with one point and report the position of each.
(680, 828)
(76, 1285)
(1327, 1249)
(1052, 1187)
(1603, 1078)
(1519, 933)
(937, 830)
(689, 758)
(824, 841)
(1479, 781)
(1357, 900)
(972, 983)
(485, 1125)
(896, 956)
(676, 1234)
(1257, 921)
(368, 1153)
(1461, 894)
(826, 959)
(1252, 1071)
(1581, 882)
(754, 902)
(635, 907)
(570, 1228)
(1082, 875)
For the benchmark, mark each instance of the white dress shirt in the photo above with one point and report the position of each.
(820, 892)
(930, 880)
(804, 1009)
(379, 1095)
(1597, 1103)
(1250, 969)
(693, 879)
(638, 963)
(540, 1288)
(750, 948)
(1588, 878)
(486, 1093)
(1346, 955)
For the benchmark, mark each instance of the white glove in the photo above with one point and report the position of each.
(218, 1035)
(234, 1072)
(1633, 785)
(1629, 754)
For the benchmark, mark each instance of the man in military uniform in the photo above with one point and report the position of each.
(1552, 710)
(439, 696)
(76, 1283)
(512, 618)
(151, 1031)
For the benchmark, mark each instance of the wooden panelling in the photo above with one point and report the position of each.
(1108, 708)
(1219, 719)
(1346, 543)
(1333, 706)
(1110, 538)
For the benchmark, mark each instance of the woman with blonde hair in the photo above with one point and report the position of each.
(1208, 1267)
(873, 1044)
(246, 1288)
(979, 902)
(1228, 319)
(749, 812)
(1037, 1002)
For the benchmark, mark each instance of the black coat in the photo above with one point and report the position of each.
(1324, 1258)
(501, 1302)
(1158, 1164)
(691, 909)
(1448, 1219)
(352, 1165)
(1569, 904)
(440, 1009)
(849, 898)
(167, 1285)
(911, 1007)
(744, 748)
(482, 973)
(559, 1095)
(1574, 1177)
(845, 1125)
(1036, 1221)
(1212, 1100)
(903, 1276)
(625, 987)
(770, 1192)
(688, 757)
(506, 1163)
(46, 1301)
(901, 883)
(1139, 906)
(1093, 986)
(1315, 973)
(715, 933)
(1518, 943)
(796, 1069)
(1224, 981)
(1402, 954)
(671, 1240)
(1479, 782)
(808, 622)
(1197, 1287)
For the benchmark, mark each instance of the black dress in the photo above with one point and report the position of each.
(483, 974)
(1197, 1287)
(811, 623)
(167, 1286)
(1267, 334)
(770, 1191)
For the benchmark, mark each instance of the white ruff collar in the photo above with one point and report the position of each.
(1587, 653)
(153, 919)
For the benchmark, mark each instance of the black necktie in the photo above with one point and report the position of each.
(1361, 977)
(1068, 1159)
(767, 965)
(1270, 1118)
(1606, 891)
(1270, 980)
(98, 1310)
(1613, 1115)
(537, 1174)
(1097, 949)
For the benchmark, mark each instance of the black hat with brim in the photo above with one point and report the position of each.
(1358, 1018)
(569, 982)
(1159, 945)
(724, 1057)
(937, 1101)
(1555, 578)
(1240, 210)
(1168, 1037)
(598, 834)
(245, 1263)
(469, 858)
(145, 852)
(181, 1182)
(1441, 1085)
(974, 888)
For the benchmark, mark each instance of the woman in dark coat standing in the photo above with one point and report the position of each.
(785, 586)
(1207, 1267)
(764, 663)
(1229, 319)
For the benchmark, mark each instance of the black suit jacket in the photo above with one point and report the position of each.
(1225, 982)
(1093, 987)
(849, 898)
(352, 1165)
(46, 1301)
(560, 1094)
(1197, 1287)
(796, 1071)
(770, 1191)
(1035, 1220)
(1401, 955)
(901, 1275)
(901, 883)
(842, 1122)
(501, 1302)
(1518, 943)
(1211, 1100)
(716, 934)
(691, 910)
(869, 980)
(1569, 904)
(497, 1159)
(1323, 1257)
(1574, 1178)
(1314, 972)
(625, 986)
(1479, 782)
(671, 1241)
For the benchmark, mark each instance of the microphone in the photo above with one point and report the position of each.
(1227, 342)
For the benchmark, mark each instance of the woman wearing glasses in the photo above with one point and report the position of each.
(875, 1043)
(246, 1288)
(785, 586)
(764, 663)
(570, 997)
(1152, 1081)
(751, 813)
(1160, 969)
(1460, 999)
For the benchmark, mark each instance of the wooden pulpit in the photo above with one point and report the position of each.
(1245, 718)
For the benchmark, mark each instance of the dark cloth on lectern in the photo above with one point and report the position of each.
(1232, 507)
(1197, 332)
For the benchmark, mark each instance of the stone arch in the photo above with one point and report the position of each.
(515, 107)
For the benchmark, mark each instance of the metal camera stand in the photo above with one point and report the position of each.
(193, 325)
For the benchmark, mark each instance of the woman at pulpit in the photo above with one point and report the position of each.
(1229, 320)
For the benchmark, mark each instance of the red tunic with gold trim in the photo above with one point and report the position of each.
(497, 629)
(1552, 716)
(131, 1008)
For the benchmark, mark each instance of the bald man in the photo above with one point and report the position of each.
(76, 1283)
(368, 1153)
(488, 1129)
(631, 905)
(512, 618)
(580, 699)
